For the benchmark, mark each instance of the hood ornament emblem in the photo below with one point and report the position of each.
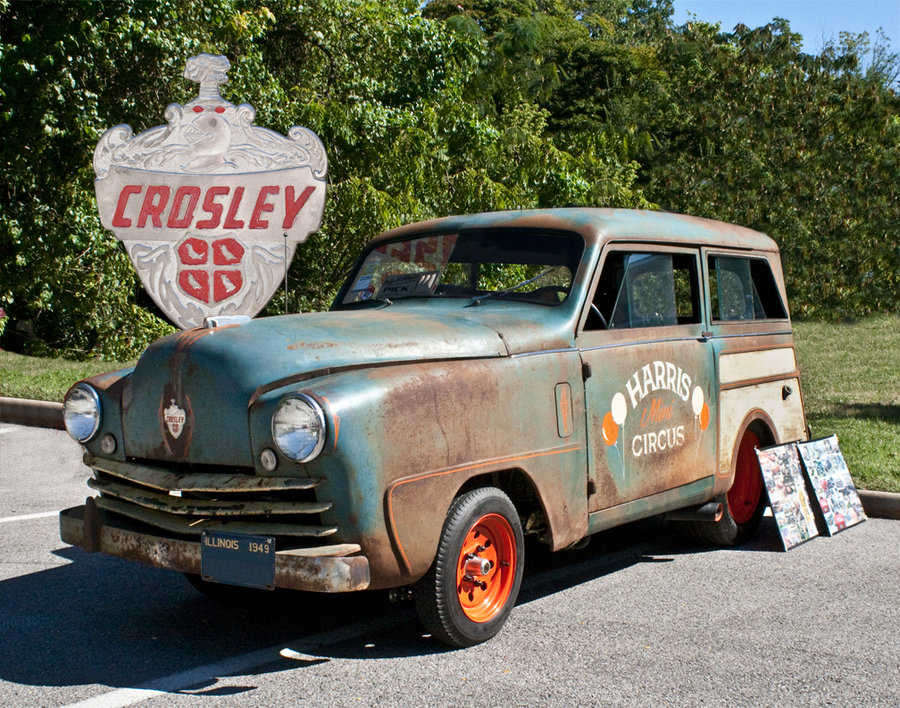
(174, 417)
(210, 208)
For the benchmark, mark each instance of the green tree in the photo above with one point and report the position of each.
(806, 148)
(465, 105)
(390, 93)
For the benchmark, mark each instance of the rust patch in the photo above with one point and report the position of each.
(297, 346)
(437, 497)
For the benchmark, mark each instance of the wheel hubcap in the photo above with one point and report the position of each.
(486, 569)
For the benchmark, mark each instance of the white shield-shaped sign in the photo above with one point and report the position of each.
(174, 417)
(210, 208)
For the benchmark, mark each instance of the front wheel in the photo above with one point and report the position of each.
(470, 589)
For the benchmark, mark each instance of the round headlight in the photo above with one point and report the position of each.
(81, 412)
(298, 428)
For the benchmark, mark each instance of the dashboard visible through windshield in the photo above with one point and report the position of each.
(526, 265)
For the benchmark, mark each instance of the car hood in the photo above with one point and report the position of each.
(207, 378)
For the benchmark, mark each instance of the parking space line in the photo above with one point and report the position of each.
(239, 665)
(28, 517)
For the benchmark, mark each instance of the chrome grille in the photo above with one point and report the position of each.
(195, 500)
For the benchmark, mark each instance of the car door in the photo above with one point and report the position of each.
(650, 390)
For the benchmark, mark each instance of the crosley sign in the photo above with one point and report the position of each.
(210, 208)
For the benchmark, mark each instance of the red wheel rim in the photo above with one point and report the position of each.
(483, 596)
(744, 495)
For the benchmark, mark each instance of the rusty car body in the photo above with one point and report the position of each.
(477, 379)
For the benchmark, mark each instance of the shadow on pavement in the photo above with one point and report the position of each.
(102, 620)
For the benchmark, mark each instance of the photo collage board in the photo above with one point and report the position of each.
(783, 468)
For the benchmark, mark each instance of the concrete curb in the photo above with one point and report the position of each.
(44, 414)
(39, 414)
(880, 505)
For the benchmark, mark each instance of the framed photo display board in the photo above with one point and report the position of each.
(783, 475)
(832, 484)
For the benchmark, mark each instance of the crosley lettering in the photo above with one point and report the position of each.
(119, 217)
(190, 206)
(263, 205)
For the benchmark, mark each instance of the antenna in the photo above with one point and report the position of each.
(285, 275)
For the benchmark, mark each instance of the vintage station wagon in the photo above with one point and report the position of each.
(478, 379)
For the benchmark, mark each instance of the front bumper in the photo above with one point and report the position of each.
(323, 569)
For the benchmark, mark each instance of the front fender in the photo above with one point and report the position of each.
(402, 440)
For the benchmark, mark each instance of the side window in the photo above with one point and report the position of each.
(743, 289)
(642, 289)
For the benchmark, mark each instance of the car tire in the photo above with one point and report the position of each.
(457, 601)
(743, 505)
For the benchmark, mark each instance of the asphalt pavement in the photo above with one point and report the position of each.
(641, 617)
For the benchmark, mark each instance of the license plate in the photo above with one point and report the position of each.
(238, 559)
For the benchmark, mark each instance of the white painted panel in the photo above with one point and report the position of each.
(748, 366)
(736, 404)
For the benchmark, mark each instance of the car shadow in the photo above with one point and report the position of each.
(103, 620)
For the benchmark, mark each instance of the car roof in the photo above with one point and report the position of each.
(598, 225)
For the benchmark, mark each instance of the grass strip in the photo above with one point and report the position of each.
(47, 379)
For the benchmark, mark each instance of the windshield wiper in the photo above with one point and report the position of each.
(383, 301)
(478, 298)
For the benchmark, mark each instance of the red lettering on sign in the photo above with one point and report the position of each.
(400, 252)
(193, 194)
(155, 201)
(119, 217)
(424, 248)
(262, 205)
(293, 206)
(212, 207)
(230, 221)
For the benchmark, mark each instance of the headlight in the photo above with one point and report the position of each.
(298, 428)
(81, 412)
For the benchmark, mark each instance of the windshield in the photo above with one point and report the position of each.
(520, 264)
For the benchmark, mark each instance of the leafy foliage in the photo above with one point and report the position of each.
(460, 106)
(805, 148)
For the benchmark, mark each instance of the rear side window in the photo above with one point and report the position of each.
(743, 289)
(646, 290)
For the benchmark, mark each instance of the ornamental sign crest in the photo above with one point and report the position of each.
(210, 208)
(174, 417)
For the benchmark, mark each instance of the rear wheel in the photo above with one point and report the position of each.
(743, 505)
(472, 586)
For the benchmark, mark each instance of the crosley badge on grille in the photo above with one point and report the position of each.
(174, 417)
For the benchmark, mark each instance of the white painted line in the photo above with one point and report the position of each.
(27, 517)
(239, 665)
